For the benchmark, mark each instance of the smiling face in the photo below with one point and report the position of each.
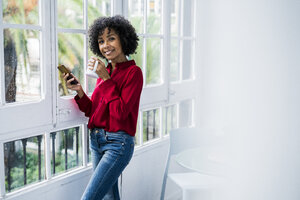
(110, 46)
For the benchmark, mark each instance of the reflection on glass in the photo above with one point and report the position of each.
(188, 16)
(98, 8)
(174, 17)
(70, 54)
(186, 113)
(138, 56)
(66, 150)
(153, 66)
(174, 59)
(24, 162)
(187, 58)
(21, 12)
(169, 118)
(70, 13)
(22, 65)
(136, 14)
(154, 18)
(151, 124)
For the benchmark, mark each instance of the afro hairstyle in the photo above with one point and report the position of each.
(122, 27)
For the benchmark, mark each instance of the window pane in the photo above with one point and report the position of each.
(136, 14)
(174, 17)
(174, 65)
(187, 58)
(169, 119)
(70, 13)
(151, 124)
(154, 13)
(98, 8)
(188, 18)
(153, 61)
(185, 113)
(22, 65)
(138, 57)
(21, 12)
(66, 150)
(24, 162)
(70, 54)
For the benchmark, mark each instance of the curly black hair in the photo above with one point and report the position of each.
(122, 27)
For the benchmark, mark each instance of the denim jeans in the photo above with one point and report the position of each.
(111, 152)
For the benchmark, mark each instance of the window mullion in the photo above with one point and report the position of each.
(141, 132)
(2, 72)
(53, 46)
(166, 44)
(2, 172)
(47, 155)
(117, 7)
(84, 145)
(85, 45)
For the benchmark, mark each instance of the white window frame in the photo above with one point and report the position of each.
(35, 113)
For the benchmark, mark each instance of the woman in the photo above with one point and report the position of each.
(114, 104)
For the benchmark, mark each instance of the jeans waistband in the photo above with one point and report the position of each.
(107, 132)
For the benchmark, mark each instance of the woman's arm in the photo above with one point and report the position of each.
(83, 101)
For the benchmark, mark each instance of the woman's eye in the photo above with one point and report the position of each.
(101, 42)
(112, 38)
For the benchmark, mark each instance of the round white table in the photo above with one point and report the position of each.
(206, 160)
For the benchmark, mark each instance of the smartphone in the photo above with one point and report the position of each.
(63, 69)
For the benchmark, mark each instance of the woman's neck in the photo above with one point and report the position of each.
(114, 62)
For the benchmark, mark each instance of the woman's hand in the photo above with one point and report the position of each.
(101, 69)
(76, 87)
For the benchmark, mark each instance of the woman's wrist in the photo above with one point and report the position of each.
(80, 92)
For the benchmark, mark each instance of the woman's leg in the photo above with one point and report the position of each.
(117, 151)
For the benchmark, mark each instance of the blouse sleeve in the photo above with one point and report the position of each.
(84, 104)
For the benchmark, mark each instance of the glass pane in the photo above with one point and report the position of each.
(70, 13)
(24, 162)
(138, 56)
(137, 134)
(136, 14)
(153, 61)
(169, 119)
(154, 16)
(151, 124)
(21, 12)
(188, 18)
(70, 54)
(22, 65)
(174, 17)
(187, 59)
(66, 150)
(174, 65)
(98, 8)
(185, 113)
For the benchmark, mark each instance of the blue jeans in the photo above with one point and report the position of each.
(111, 152)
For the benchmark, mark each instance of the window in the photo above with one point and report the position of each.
(43, 134)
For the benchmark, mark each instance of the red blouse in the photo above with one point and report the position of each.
(114, 104)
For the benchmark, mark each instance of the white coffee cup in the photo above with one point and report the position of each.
(92, 73)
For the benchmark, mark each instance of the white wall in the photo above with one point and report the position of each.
(250, 88)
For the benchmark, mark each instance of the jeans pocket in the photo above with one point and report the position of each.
(115, 138)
